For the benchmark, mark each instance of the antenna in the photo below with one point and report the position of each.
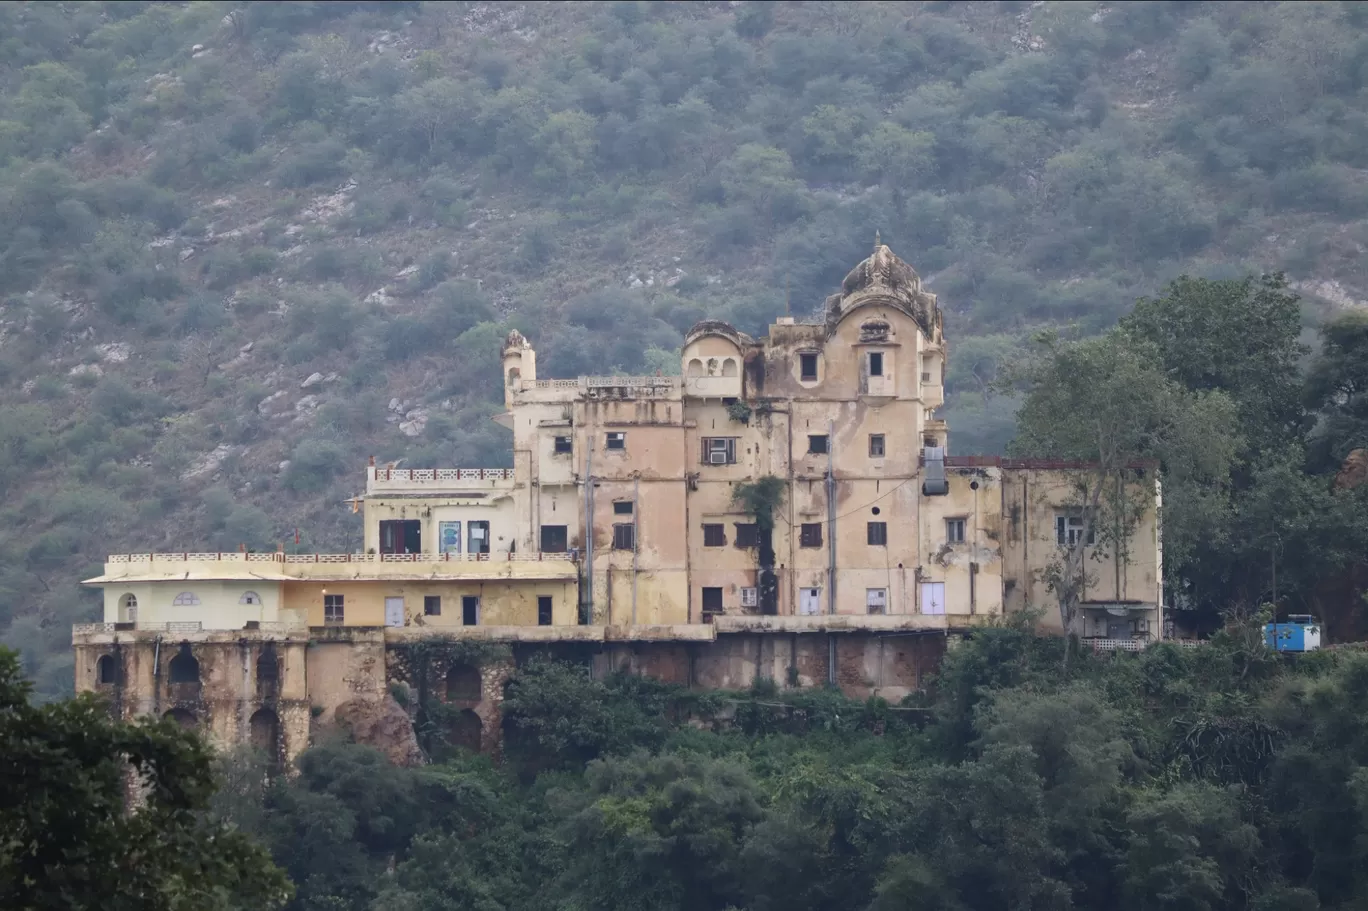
(788, 297)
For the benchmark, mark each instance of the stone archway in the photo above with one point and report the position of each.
(463, 684)
(466, 730)
(183, 717)
(265, 731)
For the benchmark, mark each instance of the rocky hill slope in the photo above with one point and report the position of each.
(244, 246)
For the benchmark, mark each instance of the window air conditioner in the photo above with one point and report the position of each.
(717, 457)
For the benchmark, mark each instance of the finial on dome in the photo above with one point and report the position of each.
(877, 242)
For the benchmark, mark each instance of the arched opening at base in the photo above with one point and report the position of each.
(265, 731)
(107, 670)
(183, 717)
(463, 684)
(184, 667)
(466, 731)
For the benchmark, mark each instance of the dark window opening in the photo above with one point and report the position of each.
(264, 731)
(624, 536)
(470, 610)
(184, 668)
(876, 445)
(747, 534)
(714, 536)
(106, 671)
(432, 605)
(617, 441)
(401, 536)
(268, 668)
(623, 508)
(463, 683)
(477, 537)
(555, 539)
(876, 534)
(876, 363)
(712, 601)
(807, 365)
(563, 445)
(334, 611)
(930, 441)
(810, 535)
(817, 443)
(543, 610)
(183, 717)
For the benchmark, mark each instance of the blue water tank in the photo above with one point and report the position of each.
(1298, 633)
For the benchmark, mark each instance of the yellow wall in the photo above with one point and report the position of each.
(502, 602)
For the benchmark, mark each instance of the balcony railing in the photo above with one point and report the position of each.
(441, 475)
(533, 556)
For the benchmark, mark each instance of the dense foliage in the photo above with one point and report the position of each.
(1220, 777)
(376, 192)
(66, 843)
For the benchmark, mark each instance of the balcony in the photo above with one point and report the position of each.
(381, 481)
(281, 567)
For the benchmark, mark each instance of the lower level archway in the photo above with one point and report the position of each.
(265, 731)
(466, 730)
(183, 717)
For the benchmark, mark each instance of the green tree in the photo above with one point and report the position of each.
(68, 837)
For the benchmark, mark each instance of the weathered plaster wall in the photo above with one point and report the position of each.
(220, 604)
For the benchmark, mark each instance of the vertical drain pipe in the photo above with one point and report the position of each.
(831, 547)
(636, 538)
(589, 531)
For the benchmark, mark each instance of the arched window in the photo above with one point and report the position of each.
(249, 598)
(463, 683)
(265, 730)
(106, 670)
(128, 608)
(729, 367)
(514, 374)
(184, 667)
(695, 367)
(185, 599)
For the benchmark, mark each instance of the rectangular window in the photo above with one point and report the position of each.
(747, 534)
(617, 441)
(562, 445)
(810, 535)
(333, 612)
(622, 508)
(478, 542)
(555, 539)
(714, 536)
(470, 610)
(807, 366)
(750, 597)
(624, 536)
(876, 600)
(712, 601)
(432, 605)
(876, 534)
(1069, 531)
(876, 445)
(876, 363)
(954, 531)
(401, 536)
(719, 450)
(543, 610)
(817, 443)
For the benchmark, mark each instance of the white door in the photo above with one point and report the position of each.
(809, 601)
(933, 598)
(394, 611)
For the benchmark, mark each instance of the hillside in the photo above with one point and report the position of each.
(243, 247)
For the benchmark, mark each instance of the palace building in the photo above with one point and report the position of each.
(786, 507)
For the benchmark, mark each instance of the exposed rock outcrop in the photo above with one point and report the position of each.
(1354, 471)
(382, 724)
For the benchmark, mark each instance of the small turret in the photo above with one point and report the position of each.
(519, 365)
